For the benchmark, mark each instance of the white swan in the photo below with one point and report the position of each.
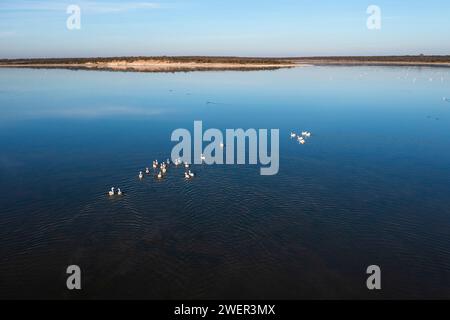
(186, 165)
(111, 193)
(187, 175)
(306, 134)
(301, 140)
(191, 174)
(293, 135)
(155, 164)
(141, 175)
(163, 170)
(159, 175)
(119, 192)
(147, 171)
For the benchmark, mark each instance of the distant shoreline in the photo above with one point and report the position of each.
(186, 64)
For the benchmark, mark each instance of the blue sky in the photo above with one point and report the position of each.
(227, 27)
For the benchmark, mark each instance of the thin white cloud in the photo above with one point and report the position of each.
(7, 34)
(86, 6)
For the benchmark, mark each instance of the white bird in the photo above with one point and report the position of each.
(293, 134)
(202, 157)
(141, 175)
(111, 193)
(191, 174)
(164, 170)
(147, 171)
(306, 134)
(186, 175)
(186, 165)
(155, 164)
(119, 192)
(301, 140)
(159, 175)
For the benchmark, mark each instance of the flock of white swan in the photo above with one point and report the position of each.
(161, 169)
(301, 138)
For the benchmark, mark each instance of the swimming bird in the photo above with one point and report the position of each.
(111, 193)
(293, 135)
(186, 175)
(147, 171)
(191, 174)
(301, 140)
(155, 164)
(306, 134)
(141, 175)
(186, 165)
(159, 175)
(119, 192)
(163, 170)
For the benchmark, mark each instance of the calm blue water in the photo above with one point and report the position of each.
(371, 186)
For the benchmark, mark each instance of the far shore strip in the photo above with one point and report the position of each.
(172, 66)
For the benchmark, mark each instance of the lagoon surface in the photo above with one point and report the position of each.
(371, 186)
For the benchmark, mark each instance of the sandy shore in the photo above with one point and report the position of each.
(186, 64)
(155, 66)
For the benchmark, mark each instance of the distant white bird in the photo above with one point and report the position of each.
(191, 174)
(159, 175)
(147, 171)
(187, 175)
(163, 170)
(293, 135)
(301, 140)
(111, 193)
(155, 164)
(186, 165)
(141, 175)
(119, 192)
